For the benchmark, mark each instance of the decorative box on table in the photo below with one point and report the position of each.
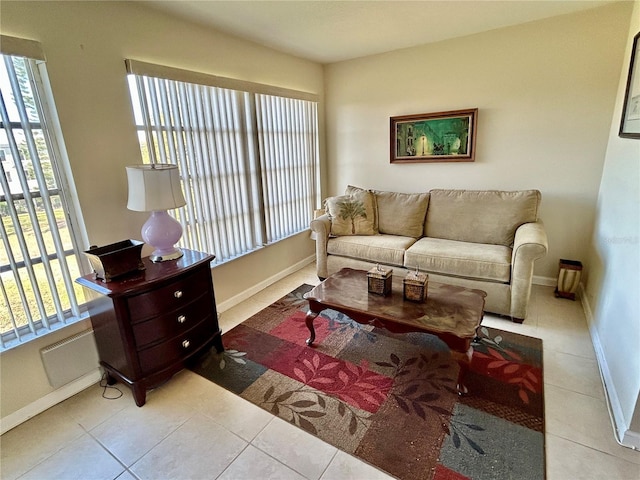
(379, 280)
(415, 286)
(116, 260)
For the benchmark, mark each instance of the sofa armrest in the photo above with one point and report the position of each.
(321, 227)
(530, 243)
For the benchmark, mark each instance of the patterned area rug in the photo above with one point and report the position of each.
(390, 399)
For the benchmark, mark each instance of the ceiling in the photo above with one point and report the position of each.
(328, 31)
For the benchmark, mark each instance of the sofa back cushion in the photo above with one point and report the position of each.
(402, 213)
(398, 213)
(484, 216)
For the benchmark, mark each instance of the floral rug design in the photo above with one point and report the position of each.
(390, 399)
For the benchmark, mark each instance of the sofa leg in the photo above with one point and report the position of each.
(517, 320)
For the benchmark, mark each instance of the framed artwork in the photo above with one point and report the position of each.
(434, 137)
(630, 122)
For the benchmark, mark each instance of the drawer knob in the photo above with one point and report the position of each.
(177, 293)
(185, 344)
(182, 319)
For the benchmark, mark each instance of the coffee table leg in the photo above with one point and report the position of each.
(309, 322)
(464, 360)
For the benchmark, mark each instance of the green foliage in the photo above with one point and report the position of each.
(350, 210)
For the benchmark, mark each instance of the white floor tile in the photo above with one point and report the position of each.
(253, 464)
(582, 419)
(571, 372)
(200, 448)
(567, 460)
(236, 414)
(97, 404)
(347, 467)
(83, 459)
(134, 431)
(127, 475)
(296, 448)
(27, 445)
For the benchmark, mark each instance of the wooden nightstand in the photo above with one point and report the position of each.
(150, 324)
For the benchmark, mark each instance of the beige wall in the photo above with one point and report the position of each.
(613, 291)
(545, 93)
(86, 44)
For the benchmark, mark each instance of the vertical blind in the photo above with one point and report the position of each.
(39, 256)
(248, 161)
(287, 134)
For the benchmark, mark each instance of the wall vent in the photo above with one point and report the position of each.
(71, 358)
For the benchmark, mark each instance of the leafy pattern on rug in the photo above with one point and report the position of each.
(507, 365)
(412, 400)
(390, 399)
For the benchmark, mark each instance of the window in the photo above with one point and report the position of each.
(247, 155)
(39, 258)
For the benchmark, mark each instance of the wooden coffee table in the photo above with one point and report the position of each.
(451, 313)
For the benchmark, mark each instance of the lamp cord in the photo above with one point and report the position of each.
(105, 385)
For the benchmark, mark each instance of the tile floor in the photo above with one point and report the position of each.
(192, 429)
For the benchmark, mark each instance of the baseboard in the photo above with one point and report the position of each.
(242, 296)
(624, 437)
(631, 439)
(545, 281)
(61, 394)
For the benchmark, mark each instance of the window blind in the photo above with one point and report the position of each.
(40, 255)
(248, 161)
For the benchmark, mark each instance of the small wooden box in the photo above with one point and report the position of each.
(379, 280)
(415, 286)
(115, 260)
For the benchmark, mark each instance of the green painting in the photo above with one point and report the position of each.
(446, 136)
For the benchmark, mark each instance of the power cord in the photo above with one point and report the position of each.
(105, 385)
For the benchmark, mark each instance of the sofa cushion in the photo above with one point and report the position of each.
(462, 259)
(352, 214)
(387, 249)
(488, 216)
(398, 213)
(401, 213)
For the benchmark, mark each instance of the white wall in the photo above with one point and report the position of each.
(86, 44)
(545, 93)
(613, 291)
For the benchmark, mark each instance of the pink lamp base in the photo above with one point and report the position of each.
(162, 232)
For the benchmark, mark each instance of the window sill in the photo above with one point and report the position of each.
(12, 342)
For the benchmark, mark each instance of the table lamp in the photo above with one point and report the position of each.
(156, 188)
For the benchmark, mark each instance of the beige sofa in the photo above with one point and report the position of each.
(487, 240)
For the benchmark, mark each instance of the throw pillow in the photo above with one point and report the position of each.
(350, 190)
(352, 214)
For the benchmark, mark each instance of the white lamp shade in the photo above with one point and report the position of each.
(154, 187)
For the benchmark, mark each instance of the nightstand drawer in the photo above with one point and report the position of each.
(169, 297)
(163, 354)
(173, 323)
